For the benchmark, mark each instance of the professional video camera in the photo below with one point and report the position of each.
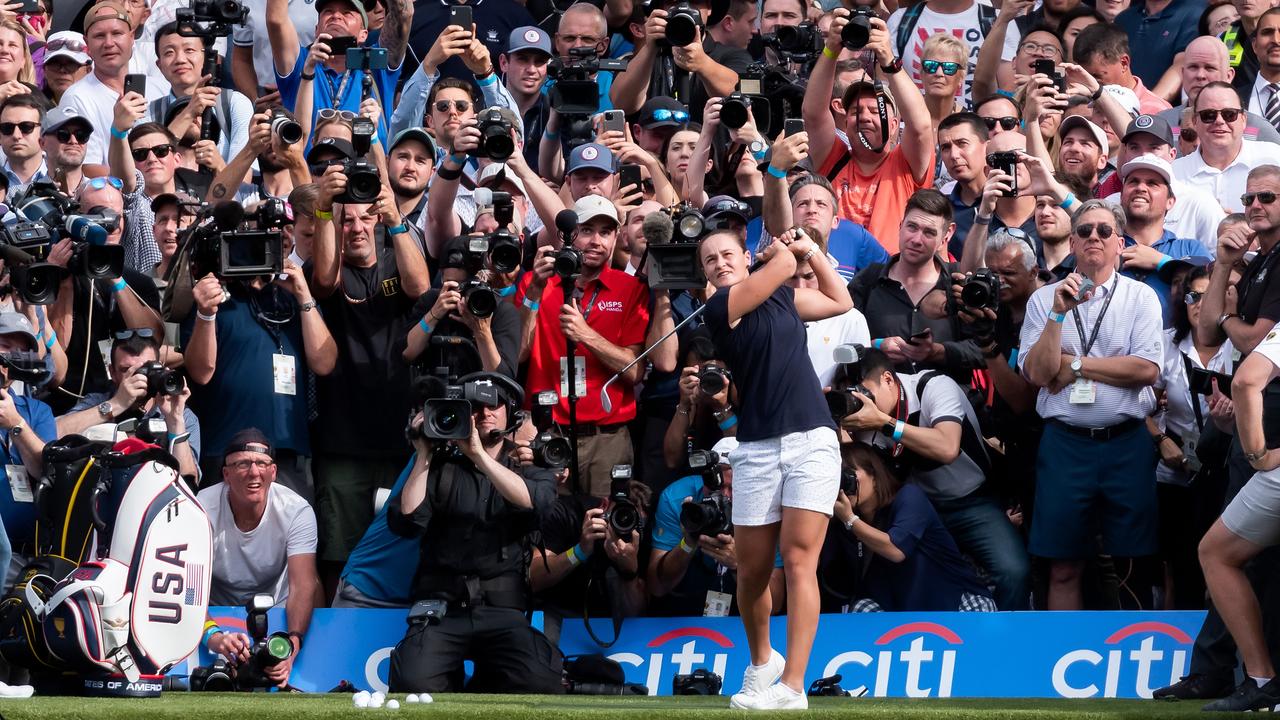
(35, 282)
(162, 380)
(220, 245)
(267, 651)
(857, 33)
(496, 142)
(712, 515)
(447, 408)
(576, 95)
(43, 204)
(674, 265)
(210, 18)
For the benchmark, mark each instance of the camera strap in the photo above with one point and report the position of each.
(1188, 367)
(883, 112)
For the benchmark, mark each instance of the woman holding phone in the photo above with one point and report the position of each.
(787, 467)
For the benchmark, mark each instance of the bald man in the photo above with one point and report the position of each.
(1206, 61)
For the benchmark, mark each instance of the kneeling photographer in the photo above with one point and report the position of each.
(474, 510)
(594, 551)
(927, 423)
(693, 565)
(141, 387)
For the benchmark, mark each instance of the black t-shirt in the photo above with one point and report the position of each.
(363, 404)
(504, 325)
(736, 59)
(561, 530)
(97, 317)
(1259, 299)
(494, 20)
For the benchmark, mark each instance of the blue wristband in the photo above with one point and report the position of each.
(460, 159)
(1068, 202)
(53, 338)
(530, 305)
(487, 80)
(728, 422)
(780, 174)
(399, 229)
(117, 134)
(898, 427)
(1164, 260)
(118, 284)
(423, 324)
(507, 291)
(876, 343)
(1057, 317)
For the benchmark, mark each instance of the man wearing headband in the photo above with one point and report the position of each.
(264, 539)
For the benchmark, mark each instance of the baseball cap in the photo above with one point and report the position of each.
(1127, 98)
(1166, 271)
(60, 116)
(107, 10)
(356, 4)
(866, 86)
(454, 254)
(590, 155)
(662, 111)
(181, 199)
(529, 37)
(724, 206)
(330, 145)
(494, 174)
(67, 44)
(12, 323)
(1152, 125)
(248, 440)
(719, 9)
(1071, 122)
(413, 133)
(1157, 165)
(724, 446)
(590, 206)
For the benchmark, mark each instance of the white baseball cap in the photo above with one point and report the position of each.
(1155, 164)
(1071, 122)
(590, 206)
(68, 44)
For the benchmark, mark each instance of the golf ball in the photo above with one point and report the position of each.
(411, 698)
(393, 704)
(360, 701)
(425, 698)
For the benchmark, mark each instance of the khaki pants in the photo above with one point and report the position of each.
(597, 454)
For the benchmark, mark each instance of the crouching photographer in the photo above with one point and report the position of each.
(473, 510)
(594, 553)
(693, 565)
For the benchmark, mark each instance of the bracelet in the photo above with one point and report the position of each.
(686, 547)
(898, 428)
(576, 555)
(119, 134)
(1068, 202)
(1096, 93)
(780, 174)
(53, 338)
(422, 323)
(308, 306)
(812, 251)
(849, 525)
(487, 79)
(323, 214)
(206, 318)
(829, 53)
(727, 423)
(399, 229)
(445, 173)
(681, 410)
(530, 305)
(311, 76)
(877, 343)
(1159, 438)
(1057, 317)
(210, 629)
(550, 135)
(981, 219)
(118, 284)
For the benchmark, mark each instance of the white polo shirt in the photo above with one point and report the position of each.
(1229, 184)
(1132, 326)
(1179, 418)
(825, 335)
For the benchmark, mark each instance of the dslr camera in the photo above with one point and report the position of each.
(843, 402)
(286, 128)
(699, 682)
(683, 24)
(266, 651)
(550, 448)
(713, 379)
(712, 515)
(795, 41)
(568, 263)
(981, 290)
(496, 142)
(161, 380)
(621, 515)
(363, 182)
(857, 33)
(482, 301)
(707, 464)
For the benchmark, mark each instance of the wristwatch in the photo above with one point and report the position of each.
(892, 67)
(16, 430)
(1224, 318)
(849, 525)
(758, 148)
(106, 410)
(308, 306)
(1252, 457)
(1077, 368)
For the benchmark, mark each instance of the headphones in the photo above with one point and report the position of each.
(508, 388)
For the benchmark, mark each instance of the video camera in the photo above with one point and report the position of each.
(53, 216)
(575, 95)
(267, 651)
(447, 408)
(210, 18)
(222, 246)
(712, 515)
(674, 265)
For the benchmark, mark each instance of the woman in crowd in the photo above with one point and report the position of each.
(64, 62)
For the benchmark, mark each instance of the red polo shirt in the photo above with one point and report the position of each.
(616, 305)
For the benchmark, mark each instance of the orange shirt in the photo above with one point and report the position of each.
(875, 201)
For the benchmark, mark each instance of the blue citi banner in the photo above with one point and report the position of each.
(1031, 654)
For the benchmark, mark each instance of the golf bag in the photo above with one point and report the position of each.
(120, 589)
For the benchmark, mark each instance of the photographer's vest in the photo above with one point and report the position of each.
(1235, 49)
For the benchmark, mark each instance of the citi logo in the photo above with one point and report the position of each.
(1077, 673)
(917, 671)
(683, 661)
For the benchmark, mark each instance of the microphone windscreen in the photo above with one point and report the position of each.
(657, 229)
(12, 256)
(483, 197)
(567, 221)
(228, 215)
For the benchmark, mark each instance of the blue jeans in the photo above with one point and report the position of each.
(983, 532)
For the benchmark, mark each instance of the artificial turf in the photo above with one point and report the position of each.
(229, 706)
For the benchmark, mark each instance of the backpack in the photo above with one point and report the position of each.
(911, 16)
(971, 442)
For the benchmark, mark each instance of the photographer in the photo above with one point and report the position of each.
(691, 573)
(926, 419)
(24, 424)
(334, 85)
(471, 595)
(182, 60)
(281, 166)
(264, 539)
(135, 358)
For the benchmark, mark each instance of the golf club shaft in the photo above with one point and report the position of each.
(604, 391)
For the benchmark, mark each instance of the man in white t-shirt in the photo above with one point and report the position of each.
(825, 335)
(959, 18)
(264, 539)
(252, 64)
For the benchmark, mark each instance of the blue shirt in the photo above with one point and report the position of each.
(341, 91)
(1171, 247)
(1155, 39)
(963, 214)
(852, 245)
(20, 517)
(382, 565)
(93, 400)
(494, 21)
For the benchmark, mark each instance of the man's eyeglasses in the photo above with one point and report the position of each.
(160, 151)
(1192, 297)
(135, 332)
(663, 114)
(329, 115)
(1006, 123)
(81, 135)
(460, 105)
(1038, 49)
(65, 43)
(1265, 197)
(579, 39)
(100, 182)
(7, 128)
(948, 68)
(244, 465)
(1229, 115)
(1105, 231)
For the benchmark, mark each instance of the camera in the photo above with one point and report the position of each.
(568, 263)
(446, 412)
(981, 290)
(20, 246)
(53, 216)
(683, 23)
(220, 245)
(285, 128)
(161, 380)
(712, 515)
(1006, 162)
(482, 301)
(576, 92)
(734, 110)
(622, 516)
(795, 40)
(551, 450)
(844, 402)
(699, 682)
(496, 142)
(857, 33)
(26, 365)
(266, 651)
(849, 483)
(707, 464)
(674, 265)
(363, 182)
(712, 379)
(828, 687)
(210, 18)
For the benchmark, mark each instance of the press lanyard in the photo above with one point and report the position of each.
(1097, 324)
(586, 311)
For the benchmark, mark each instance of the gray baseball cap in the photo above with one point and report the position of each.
(414, 133)
(12, 323)
(60, 116)
(590, 155)
(529, 37)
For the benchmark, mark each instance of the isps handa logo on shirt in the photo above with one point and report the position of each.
(609, 306)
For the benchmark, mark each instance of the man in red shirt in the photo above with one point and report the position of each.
(606, 315)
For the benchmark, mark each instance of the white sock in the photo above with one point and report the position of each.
(1260, 680)
(790, 690)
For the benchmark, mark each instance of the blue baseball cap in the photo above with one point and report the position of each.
(590, 155)
(529, 37)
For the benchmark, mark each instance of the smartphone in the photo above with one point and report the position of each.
(613, 120)
(30, 6)
(920, 336)
(1007, 163)
(135, 83)
(1201, 382)
(367, 59)
(460, 15)
(628, 175)
(340, 45)
(793, 126)
(1085, 286)
(1044, 67)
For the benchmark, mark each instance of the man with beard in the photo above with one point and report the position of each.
(65, 137)
(1053, 227)
(1083, 152)
(410, 162)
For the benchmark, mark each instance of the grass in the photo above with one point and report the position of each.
(226, 706)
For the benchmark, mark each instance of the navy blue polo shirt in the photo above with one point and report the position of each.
(1173, 247)
(494, 20)
(963, 214)
(1155, 39)
(19, 516)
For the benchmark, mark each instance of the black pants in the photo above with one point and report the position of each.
(509, 655)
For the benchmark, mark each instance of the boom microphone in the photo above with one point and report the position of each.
(228, 215)
(567, 222)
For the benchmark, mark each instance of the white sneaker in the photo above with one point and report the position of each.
(16, 691)
(777, 697)
(757, 679)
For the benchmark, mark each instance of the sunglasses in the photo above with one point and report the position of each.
(1192, 297)
(459, 105)
(81, 135)
(1105, 231)
(1020, 234)
(137, 332)
(100, 182)
(948, 68)
(663, 114)
(329, 115)
(1265, 197)
(1229, 115)
(27, 128)
(1006, 123)
(160, 151)
(72, 44)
